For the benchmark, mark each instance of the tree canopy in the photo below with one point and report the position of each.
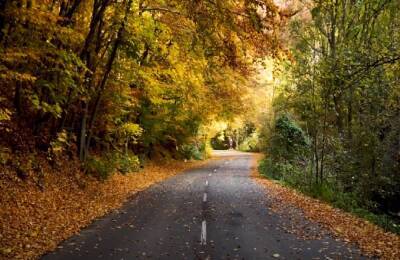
(139, 74)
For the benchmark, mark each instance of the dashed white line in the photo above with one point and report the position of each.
(209, 174)
(203, 237)
(215, 170)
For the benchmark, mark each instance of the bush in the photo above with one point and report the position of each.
(346, 201)
(345, 186)
(322, 191)
(195, 151)
(273, 170)
(127, 163)
(288, 141)
(250, 144)
(291, 176)
(104, 166)
(220, 142)
(207, 150)
(289, 173)
(100, 167)
(287, 152)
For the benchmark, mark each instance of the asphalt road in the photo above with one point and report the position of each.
(215, 212)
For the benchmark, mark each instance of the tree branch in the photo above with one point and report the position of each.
(161, 9)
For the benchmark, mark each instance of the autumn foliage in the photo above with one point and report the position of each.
(93, 88)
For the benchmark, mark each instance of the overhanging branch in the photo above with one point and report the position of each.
(161, 9)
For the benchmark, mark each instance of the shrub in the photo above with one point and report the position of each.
(323, 191)
(220, 141)
(250, 144)
(127, 163)
(194, 151)
(100, 167)
(288, 141)
(104, 166)
(273, 170)
(207, 150)
(59, 147)
(344, 185)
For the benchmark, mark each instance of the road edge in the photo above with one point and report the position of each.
(372, 240)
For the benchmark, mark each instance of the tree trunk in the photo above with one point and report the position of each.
(82, 139)
(88, 56)
(350, 115)
(321, 175)
(109, 65)
(68, 9)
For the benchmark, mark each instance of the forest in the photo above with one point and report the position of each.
(103, 87)
(335, 130)
(105, 81)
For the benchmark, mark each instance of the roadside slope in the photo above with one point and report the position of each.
(34, 221)
(372, 240)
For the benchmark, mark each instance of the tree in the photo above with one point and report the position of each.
(341, 88)
(88, 68)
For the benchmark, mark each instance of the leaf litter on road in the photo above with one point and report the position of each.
(34, 221)
(371, 239)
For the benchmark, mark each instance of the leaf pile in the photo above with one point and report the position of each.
(371, 239)
(34, 221)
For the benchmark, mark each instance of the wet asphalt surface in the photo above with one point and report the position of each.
(166, 220)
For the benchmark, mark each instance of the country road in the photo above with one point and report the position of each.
(214, 212)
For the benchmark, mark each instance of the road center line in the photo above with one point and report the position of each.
(209, 174)
(203, 237)
(206, 182)
(205, 197)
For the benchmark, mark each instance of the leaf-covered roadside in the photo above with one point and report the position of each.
(371, 239)
(34, 221)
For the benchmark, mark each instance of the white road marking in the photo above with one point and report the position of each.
(205, 197)
(209, 174)
(206, 182)
(215, 170)
(203, 237)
